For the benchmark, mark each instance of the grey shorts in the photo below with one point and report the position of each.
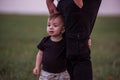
(54, 76)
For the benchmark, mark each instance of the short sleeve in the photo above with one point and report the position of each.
(41, 45)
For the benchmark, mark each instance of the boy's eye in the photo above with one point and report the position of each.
(48, 25)
(55, 25)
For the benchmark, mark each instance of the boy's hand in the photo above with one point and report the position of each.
(36, 71)
(79, 3)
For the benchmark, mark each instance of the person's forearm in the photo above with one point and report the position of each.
(79, 3)
(38, 60)
(51, 6)
(49, 1)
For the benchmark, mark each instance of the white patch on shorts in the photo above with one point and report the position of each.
(54, 76)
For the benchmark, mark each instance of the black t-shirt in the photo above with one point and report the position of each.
(54, 59)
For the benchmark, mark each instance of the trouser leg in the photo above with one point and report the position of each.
(82, 70)
(79, 66)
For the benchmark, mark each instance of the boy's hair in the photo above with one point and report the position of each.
(55, 15)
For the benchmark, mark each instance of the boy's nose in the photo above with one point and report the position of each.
(51, 27)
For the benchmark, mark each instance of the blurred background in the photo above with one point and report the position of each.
(23, 24)
(108, 7)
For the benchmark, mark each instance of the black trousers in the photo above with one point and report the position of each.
(78, 27)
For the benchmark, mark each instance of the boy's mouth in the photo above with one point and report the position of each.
(51, 32)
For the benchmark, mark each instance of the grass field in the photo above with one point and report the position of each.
(19, 35)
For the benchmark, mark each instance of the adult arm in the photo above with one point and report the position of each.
(79, 3)
(51, 6)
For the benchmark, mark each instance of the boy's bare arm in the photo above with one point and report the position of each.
(38, 62)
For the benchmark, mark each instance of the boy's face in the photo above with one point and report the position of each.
(55, 27)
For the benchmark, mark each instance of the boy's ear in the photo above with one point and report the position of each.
(63, 30)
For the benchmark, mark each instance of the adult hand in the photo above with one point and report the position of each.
(89, 42)
(79, 3)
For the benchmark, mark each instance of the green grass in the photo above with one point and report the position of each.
(106, 48)
(19, 35)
